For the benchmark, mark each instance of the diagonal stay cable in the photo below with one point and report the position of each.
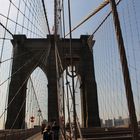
(26, 80)
(46, 16)
(24, 103)
(30, 102)
(23, 14)
(18, 69)
(59, 58)
(6, 29)
(77, 121)
(31, 8)
(101, 6)
(32, 82)
(11, 62)
(20, 88)
(16, 56)
(15, 95)
(91, 36)
(35, 94)
(19, 25)
(8, 59)
(18, 113)
(3, 38)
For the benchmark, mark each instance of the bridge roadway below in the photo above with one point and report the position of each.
(37, 136)
(87, 133)
(99, 134)
(107, 133)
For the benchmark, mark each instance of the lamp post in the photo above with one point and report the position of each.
(39, 114)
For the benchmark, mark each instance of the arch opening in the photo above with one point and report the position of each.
(36, 98)
(68, 94)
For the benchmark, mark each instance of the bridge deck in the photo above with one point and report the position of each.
(37, 136)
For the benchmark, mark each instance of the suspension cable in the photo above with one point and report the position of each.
(67, 93)
(103, 21)
(21, 67)
(24, 103)
(16, 56)
(89, 16)
(71, 57)
(6, 29)
(77, 121)
(35, 93)
(46, 16)
(18, 114)
(19, 89)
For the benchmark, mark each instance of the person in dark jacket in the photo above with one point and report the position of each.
(47, 134)
(43, 127)
(55, 130)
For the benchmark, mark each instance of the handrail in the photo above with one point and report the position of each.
(18, 134)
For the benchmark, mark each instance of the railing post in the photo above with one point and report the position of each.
(125, 70)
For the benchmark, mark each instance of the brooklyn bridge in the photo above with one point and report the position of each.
(75, 63)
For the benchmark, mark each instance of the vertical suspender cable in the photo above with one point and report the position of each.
(68, 107)
(62, 22)
(67, 94)
(73, 89)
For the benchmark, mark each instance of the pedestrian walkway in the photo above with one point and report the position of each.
(38, 136)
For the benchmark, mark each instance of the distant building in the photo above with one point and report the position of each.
(126, 121)
(118, 122)
(109, 123)
(102, 123)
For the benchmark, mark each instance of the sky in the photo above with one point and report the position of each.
(111, 93)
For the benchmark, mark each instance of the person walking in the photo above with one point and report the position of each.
(43, 126)
(47, 134)
(55, 130)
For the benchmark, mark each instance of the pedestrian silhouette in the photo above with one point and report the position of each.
(43, 126)
(55, 130)
(47, 134)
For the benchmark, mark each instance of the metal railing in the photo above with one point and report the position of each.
(21, 134)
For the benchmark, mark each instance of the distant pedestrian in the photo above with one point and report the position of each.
(43, 126)
(47, 134)
(55, 130)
